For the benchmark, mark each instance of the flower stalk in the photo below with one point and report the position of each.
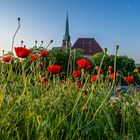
(15, 35)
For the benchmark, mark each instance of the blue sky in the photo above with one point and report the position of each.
(110, 22)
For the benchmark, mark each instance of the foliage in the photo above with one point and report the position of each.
(123, 64)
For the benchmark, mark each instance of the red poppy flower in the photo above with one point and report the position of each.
(88, 67)
(129, 79)
(34, 57)
(54, 69)
(110, 69)
(97, 70)
(44, 53)
(112, 76)
(45, 81)
(118, 91)
(94, 78)
(7, 58)
(83, 64)
(76, 73)
(22, 52)
(79, 84)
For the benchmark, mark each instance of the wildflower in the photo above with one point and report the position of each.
(94, 78)
(7, 58)
(129, 79)
(118, 91)
(22, 52)
(112, 76)
(76, 73)
(136, 70)
(54, 69)
(43, 53)
(110, 69)
(97, 70)
(88, 67)
(83, 64)
(79, 84)
(34, 57)
(44, 81)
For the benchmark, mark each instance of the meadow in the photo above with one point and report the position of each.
(38, 102)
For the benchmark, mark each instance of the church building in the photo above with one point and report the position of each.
(88, 45)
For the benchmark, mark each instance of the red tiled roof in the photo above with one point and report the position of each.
(89, 45)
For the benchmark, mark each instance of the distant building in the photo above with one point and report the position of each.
(89, 45)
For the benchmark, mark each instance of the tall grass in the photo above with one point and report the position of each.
(60, 110)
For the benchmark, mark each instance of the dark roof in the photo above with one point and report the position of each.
(89, 45)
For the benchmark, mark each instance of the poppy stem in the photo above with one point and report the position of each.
(41, 44)
(15, 34)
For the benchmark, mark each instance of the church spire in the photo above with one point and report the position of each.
(66, 37)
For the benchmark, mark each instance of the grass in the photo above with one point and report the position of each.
(60, 110)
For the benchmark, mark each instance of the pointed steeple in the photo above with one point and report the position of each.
(66, 37)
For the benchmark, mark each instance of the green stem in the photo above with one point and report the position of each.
(15, 34)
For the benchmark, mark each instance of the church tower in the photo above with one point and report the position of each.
(66, 37)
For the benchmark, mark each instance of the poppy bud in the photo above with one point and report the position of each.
(117, 47)
(105, 50)
(18, 18)
(51, 41)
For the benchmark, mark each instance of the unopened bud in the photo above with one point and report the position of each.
(51, 41)
(105, 50)
(117, 47)
(18, 18)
